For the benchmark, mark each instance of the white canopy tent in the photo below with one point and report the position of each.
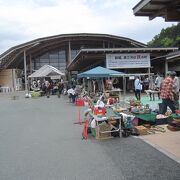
(47, 71)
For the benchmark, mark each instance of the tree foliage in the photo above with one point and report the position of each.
(169, 37)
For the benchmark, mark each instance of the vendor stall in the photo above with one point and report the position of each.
(98, 73)
(130, 117)
(106, 125)
(47, 71)
(152, 94)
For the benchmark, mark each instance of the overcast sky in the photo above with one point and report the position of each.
(26, 20)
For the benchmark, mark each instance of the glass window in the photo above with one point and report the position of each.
(62, 60)
(54, 64)
(53, 56)
(74, 53)
(54, 61)
(43, 63)
(44, 60)
(45, 56)
(62, 64)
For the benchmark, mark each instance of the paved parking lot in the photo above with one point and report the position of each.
(39, 141)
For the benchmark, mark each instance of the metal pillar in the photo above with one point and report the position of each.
(25, 71)
(166, 67)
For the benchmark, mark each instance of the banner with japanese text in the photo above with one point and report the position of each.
(131, 60)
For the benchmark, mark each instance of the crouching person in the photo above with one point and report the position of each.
(72, 94)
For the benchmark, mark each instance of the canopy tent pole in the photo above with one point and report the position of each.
(88, 90)
(103, 89)
(124, 87)
(84, 84)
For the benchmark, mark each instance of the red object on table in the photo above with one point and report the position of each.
(99, 111)
(178, 111)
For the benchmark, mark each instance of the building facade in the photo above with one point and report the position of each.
(71, 53)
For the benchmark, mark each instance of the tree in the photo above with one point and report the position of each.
(169, 37)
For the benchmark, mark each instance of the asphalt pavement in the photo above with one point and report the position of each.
(39, 140)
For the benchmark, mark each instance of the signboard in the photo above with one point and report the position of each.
(131, 60)
(131, 78)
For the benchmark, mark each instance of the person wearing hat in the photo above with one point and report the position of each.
(167, 94)
(175, 89)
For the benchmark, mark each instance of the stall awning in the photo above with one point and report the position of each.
(100, 72)
(46, 71)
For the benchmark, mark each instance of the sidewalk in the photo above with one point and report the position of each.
(168, 143)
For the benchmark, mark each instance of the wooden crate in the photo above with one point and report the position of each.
(101, 128)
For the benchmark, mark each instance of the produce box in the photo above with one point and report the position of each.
(35, 93)
(141, 130)
(101, 128)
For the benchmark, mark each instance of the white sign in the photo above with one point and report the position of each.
(131, 60)
(131, 77)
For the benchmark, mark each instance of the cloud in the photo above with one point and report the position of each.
(24, 20)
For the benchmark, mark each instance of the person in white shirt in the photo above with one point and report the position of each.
(137, 88)
(72, 94)
(175, 89)
(158, 82)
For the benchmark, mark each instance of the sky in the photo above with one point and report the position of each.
(25, 20)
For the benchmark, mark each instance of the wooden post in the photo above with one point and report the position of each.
(25, 70)
(149, 72)
(30, 64)
(124, 87)
(69, 53)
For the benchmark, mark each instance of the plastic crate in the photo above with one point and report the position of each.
(99, 111)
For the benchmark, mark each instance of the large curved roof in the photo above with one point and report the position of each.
(13, 57)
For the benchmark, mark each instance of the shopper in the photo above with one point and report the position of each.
(146, 83)
(158, 83)
(48, 88)
(137, 88)
(167, 94)
(175, 89)
(72, 94)
(60, 86)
